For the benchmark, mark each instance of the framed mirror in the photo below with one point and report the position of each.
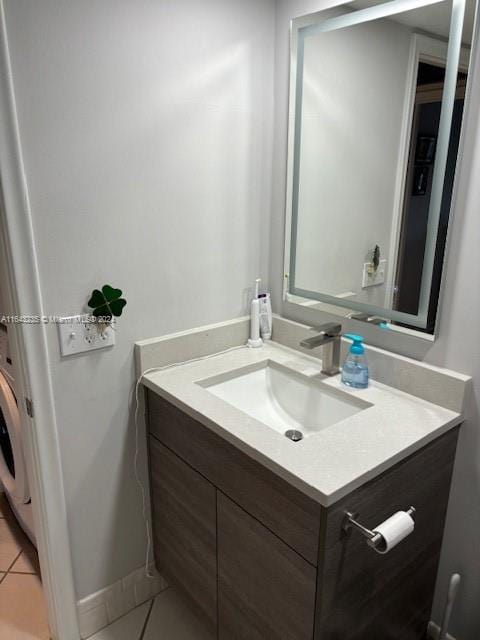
(377, 93)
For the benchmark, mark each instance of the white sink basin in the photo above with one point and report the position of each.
(283, 399)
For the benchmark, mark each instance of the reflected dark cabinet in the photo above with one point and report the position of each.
(260, 560)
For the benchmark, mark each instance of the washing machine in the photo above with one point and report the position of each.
(13, 471)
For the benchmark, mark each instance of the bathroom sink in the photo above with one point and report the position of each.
(284, 400)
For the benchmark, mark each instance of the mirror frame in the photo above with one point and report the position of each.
(456, 59)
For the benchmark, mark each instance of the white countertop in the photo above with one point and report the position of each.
(329, 464)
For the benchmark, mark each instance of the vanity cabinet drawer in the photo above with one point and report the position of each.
(362, 594)
(265, 589)
(184, 529)
(284, 510)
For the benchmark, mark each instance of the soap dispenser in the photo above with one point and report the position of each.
(355, 368)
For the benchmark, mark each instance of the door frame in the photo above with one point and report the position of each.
(432, 51)
(18, 260)
(426, 94)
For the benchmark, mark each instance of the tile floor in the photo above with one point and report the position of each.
(166, 618)
(23, 614)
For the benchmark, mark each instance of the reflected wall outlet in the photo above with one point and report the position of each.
(376, 278)
(77, 334)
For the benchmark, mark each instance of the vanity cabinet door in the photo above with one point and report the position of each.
(282, 508)
(184, 529)
(265, 589)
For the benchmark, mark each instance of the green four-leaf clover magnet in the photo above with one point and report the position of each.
(107, 303)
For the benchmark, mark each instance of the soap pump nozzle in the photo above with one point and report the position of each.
(357, 347)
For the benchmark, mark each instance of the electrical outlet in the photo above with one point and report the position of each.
(77, 335)
(375, 278)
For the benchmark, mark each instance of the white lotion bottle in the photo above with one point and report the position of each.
(255, 339)
(265, 316)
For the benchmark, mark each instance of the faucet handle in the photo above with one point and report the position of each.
(330, 329)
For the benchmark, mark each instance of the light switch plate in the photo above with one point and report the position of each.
(373, 279)
(77, 335)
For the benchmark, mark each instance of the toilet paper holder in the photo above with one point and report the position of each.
(374, 539)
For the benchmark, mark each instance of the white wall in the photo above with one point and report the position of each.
(349, 158)
(146, 128)
(457, 346)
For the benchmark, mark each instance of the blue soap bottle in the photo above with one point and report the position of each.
(355, 368)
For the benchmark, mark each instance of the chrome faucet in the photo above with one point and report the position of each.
(366, 317)
(329, 338)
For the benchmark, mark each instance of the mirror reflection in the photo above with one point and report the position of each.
(378, 99)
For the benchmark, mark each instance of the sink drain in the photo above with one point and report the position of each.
(294, 435)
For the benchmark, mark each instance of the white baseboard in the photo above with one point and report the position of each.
(100, 609)
(434, 632)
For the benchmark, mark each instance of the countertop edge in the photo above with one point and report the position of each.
(325, 500)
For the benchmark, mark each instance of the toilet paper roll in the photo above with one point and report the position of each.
(394, 530)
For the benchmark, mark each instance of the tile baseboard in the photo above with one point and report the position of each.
(434, 632)
(100, 609)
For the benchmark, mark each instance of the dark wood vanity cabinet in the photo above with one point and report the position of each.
(284, 510)
(260, 560)
(184, 528)
(365, 595)
(265, 589)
